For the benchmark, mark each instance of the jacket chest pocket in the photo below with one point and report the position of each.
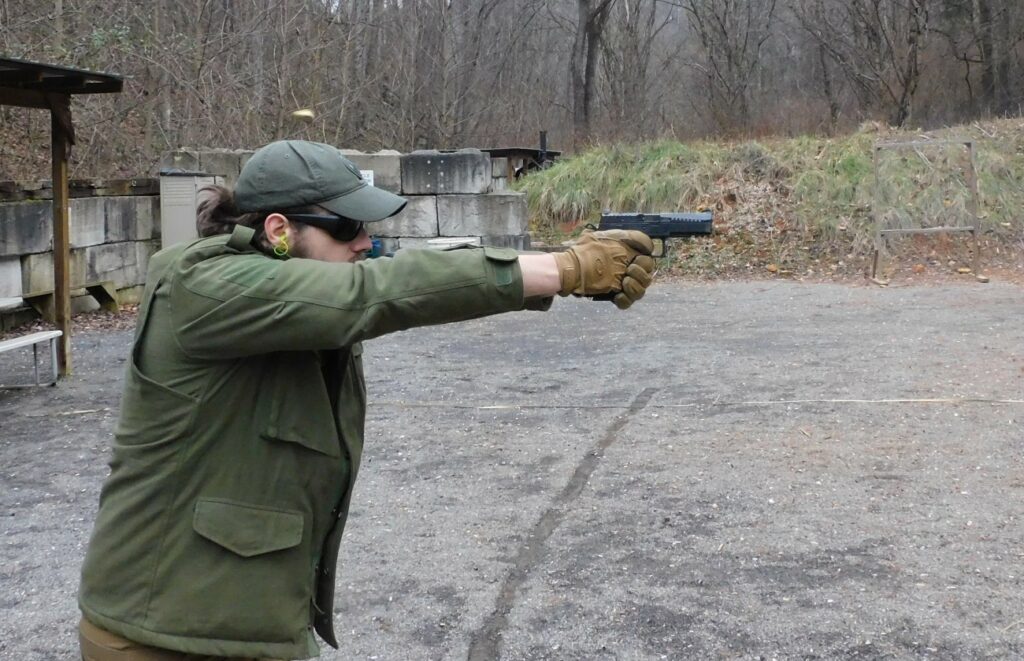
(299, 405)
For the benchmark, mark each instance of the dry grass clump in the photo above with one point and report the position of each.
(802, 206)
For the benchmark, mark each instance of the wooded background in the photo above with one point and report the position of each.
(408, 74)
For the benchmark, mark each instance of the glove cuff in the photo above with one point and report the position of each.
(568, 271)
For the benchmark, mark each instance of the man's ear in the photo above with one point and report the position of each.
(274, 227)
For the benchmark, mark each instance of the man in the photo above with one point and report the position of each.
(241, 426)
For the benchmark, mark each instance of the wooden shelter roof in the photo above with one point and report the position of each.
(24, 83)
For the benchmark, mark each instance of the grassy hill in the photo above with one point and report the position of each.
(804, 207)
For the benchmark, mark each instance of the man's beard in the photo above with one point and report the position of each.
(298, 248)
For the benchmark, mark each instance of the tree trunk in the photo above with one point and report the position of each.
(1003, 38)
(58, 26)
(983, 29)
(830, 92)
(916, 25)
(583, 64)
(580, 120)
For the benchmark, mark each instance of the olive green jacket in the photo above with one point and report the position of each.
(240, 436)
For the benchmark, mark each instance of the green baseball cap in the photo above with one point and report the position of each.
(297, 173)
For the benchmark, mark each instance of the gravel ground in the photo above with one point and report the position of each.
(765, 470)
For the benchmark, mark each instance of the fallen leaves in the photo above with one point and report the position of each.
(124, 319)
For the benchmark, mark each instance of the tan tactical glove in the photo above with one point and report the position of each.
(613, 262)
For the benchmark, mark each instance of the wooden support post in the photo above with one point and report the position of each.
(876, 212)
(61, 233)
(974, 208)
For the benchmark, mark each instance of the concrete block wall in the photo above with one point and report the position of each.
(123, 263)
(499, 174)
(417, 220)
(456, 194)
(464, 172)
(112, 239)
(10, 277)
(494, 214)
(461, 193)
(385, 165)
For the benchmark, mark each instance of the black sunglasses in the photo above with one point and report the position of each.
(340, 228)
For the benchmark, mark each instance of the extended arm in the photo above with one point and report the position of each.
(540, 275)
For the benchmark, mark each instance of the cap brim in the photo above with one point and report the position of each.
(366, 204)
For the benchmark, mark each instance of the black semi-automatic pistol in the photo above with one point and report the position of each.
(661, 226)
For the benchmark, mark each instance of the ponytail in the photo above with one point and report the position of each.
(217, 214)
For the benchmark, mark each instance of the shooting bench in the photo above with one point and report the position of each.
(520, 160)
(34, 340)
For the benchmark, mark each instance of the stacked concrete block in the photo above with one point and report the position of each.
(25, 227)
(112, 237)
(10, 277)
(463, 184)
(37, 271)
(499, 174)
(386, 166)
(87, 219)
(116, 262)
(132, 218)
(482, 215)
(123, 263)
(417, 219)
(451, 193)
(465, 172)
(96, 220)
(500, 219)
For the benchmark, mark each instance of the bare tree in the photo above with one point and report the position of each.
(985, 35)
(591, 16)
(732, 34)
(876, 44)
(630, 41)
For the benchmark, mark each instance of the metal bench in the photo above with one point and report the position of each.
(34, 340)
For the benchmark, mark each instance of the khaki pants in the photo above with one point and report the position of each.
(100, 645)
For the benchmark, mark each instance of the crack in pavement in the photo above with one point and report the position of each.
(486, 641)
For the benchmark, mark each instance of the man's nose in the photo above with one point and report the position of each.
(362, 241)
